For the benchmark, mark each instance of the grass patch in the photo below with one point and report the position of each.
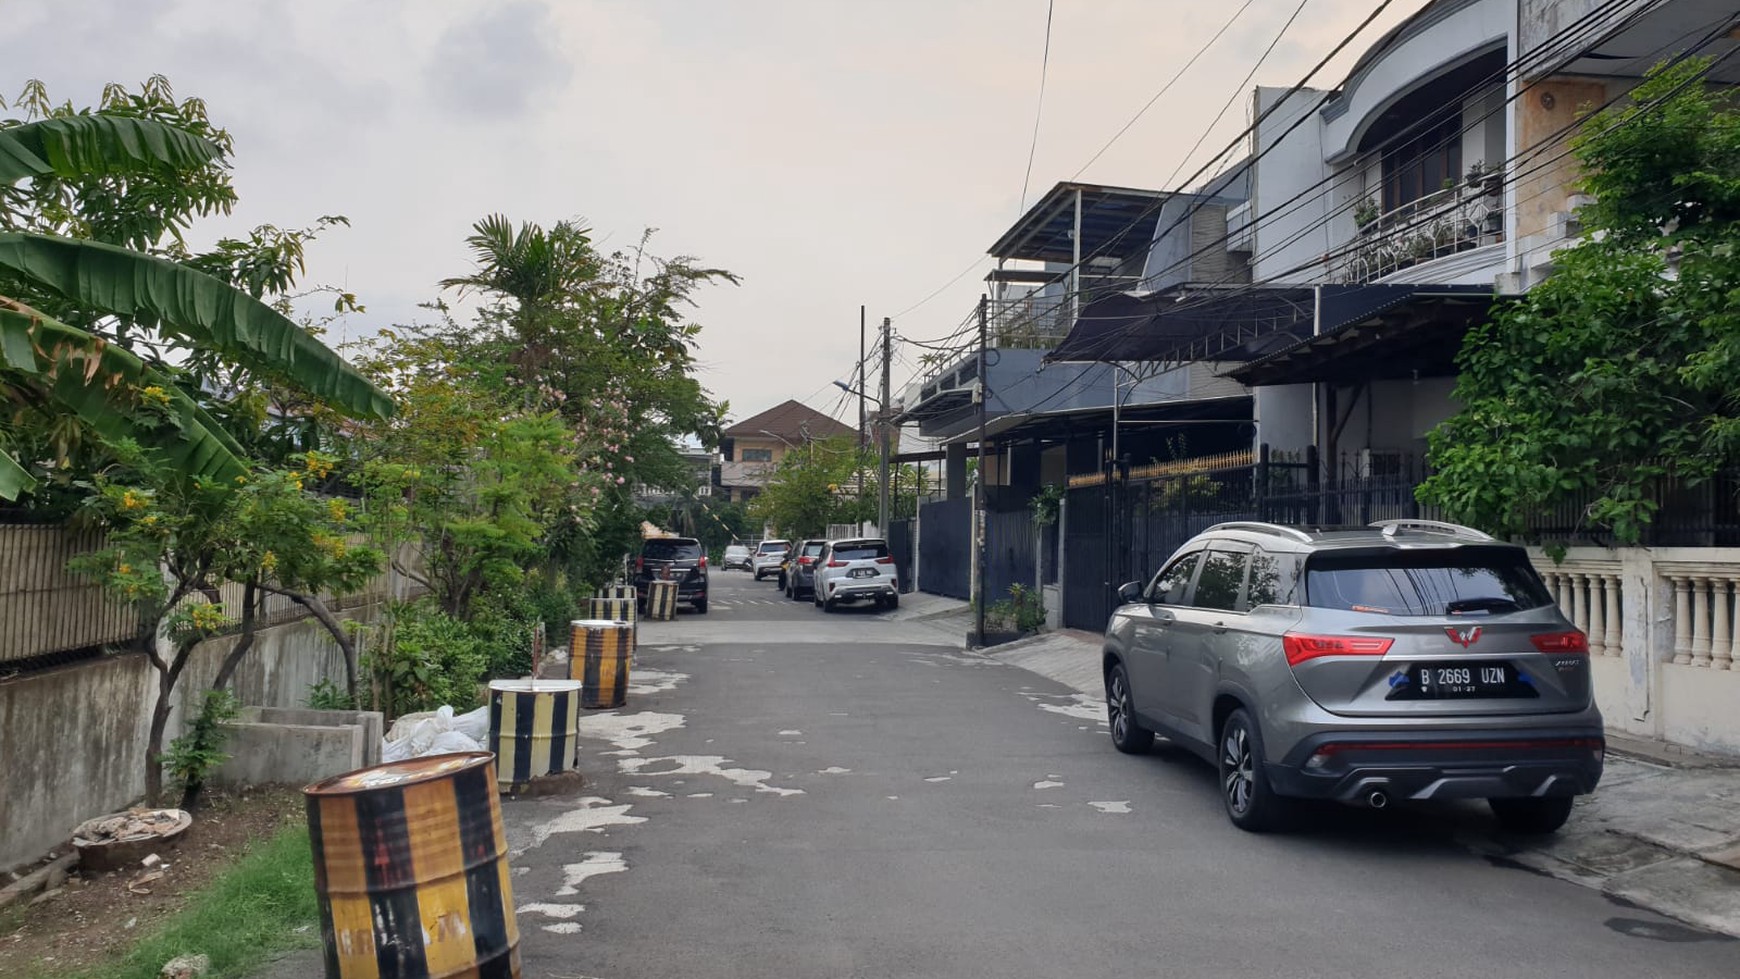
(247, 915)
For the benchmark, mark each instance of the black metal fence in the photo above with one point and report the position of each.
(945, 551)
(900, 534)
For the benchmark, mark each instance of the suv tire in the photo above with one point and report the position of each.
(1533, 817)
(1127, 736)
(894, 601)
(700, 606)
(1244, 783)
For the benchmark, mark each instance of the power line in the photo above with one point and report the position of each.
(1163, 89)
(1104, 344)
(1039, 110)
(1284, 207)
(1238, 90)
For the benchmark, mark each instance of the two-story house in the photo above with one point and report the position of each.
(753, 448)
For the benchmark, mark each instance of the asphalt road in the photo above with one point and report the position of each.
(796, 794)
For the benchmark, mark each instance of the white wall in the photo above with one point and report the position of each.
(1294, 164)
(1441, 39)
(1284, 416)
(1394, 414)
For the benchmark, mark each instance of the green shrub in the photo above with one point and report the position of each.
(436, 659)
(199, 752)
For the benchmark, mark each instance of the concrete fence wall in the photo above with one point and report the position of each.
(1662, 628)
(72, 740)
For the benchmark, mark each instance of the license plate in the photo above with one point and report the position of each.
(1457, 681)
(862, 573)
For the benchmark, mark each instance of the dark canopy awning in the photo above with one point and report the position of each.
(1054, 425)
(1229, 322)
(1418, 337)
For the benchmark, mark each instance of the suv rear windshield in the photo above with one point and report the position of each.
(671, 550)
(813, 548)
(1464, 581)
(769, 546)
(860, 551)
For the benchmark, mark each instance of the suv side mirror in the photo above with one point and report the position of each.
(1130, 592)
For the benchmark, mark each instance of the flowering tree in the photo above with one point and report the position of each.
(173, 543)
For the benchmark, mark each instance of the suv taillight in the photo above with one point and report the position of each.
(1561, 642)
(806, 561)
(836, 564)
(702, 563)
(885, 560)
(1300, 647)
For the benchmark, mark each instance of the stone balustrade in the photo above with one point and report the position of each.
(1589, 594)
(1703, 614)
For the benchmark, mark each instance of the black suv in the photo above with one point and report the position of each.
(679, 559)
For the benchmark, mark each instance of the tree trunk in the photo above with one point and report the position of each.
(245, 643)
(334, 628)
(167, 675)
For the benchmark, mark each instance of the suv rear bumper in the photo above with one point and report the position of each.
(1495, 763)
(846, 589)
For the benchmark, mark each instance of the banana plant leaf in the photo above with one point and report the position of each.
(13, 478)
(101, 383)
(98, 145)
(195, 306)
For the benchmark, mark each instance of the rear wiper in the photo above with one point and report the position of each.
(1481, 605)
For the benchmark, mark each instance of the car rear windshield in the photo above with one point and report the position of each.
(769, 546)
(813, 548)
(864, 551)
(1464, 581)
(671, 550)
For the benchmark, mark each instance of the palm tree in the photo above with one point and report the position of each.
(53, 367)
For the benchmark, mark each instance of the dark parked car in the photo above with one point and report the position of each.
(680, 559)
(798, 576)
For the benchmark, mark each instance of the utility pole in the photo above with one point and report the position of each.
(882, 426)
(862, 431)
(978, 589)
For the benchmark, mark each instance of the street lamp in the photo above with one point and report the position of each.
(882, 441)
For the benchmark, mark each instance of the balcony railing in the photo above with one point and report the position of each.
(1456, 219)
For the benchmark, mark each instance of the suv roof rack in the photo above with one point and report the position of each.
(1258, 527)
(1393, 527)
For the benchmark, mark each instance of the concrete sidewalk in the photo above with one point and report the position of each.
(1662, 831)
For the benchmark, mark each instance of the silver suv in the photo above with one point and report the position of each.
(850, 570)
(1408, 660)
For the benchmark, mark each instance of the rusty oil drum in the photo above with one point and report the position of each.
(613, 608)
(598, 656)
(411, 870)
(661, 599)
(532, 727)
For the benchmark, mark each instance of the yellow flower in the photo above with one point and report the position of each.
(336, 510)
(269, 562)
(132, 501)
(123, 568)
(154, 395)
(241, 480)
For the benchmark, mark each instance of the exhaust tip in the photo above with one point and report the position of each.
(1378, 800)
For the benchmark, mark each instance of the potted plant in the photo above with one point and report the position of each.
(1366, 213)
(1484, 179)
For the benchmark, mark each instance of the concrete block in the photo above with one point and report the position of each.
(297, 746)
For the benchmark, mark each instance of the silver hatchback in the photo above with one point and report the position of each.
(1407, 660)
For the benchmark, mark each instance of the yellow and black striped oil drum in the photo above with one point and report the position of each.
(613, 608)
(532, 725)
(661, 600)
(618, 591)
(411, 870)
(599, 659)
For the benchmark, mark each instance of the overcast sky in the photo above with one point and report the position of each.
(831, 152)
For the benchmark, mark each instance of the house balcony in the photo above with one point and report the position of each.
(1455, 235)
(746, 473)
